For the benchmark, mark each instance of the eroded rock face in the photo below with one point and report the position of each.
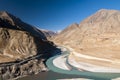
(16, 44)
(23, 49)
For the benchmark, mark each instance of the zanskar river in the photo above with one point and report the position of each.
(57, 72)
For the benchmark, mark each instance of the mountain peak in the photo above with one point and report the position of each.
(4, 15)
(103, 22)
(101, 16)
(3, 12)
(106, 10)
(8, 20)
(7, 15)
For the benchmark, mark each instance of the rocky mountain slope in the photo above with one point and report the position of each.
(23, 49)
(97, 36)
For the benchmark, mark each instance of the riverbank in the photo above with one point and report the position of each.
(85, 74)
(84, 62)
(60, 62)
(56, 73)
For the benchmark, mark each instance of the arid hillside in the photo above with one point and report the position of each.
(97, 36)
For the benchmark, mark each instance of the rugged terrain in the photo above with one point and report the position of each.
(23, 48)
(96, 40)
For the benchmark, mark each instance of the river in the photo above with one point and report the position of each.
(57, 73)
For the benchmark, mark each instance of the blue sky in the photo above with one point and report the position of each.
(55, 14)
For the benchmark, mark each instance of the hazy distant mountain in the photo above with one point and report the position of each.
(97, 35)
(22, 47)
(49, 34)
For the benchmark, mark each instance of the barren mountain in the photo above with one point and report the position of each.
(97, 37)
(23, 49)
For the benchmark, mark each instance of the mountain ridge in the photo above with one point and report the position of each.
(96, 24)
(14, 21)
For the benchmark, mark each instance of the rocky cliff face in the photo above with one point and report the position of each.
(23, 49)
(97, 35)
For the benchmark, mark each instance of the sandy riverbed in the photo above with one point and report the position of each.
(60, 62)
(89, 66)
